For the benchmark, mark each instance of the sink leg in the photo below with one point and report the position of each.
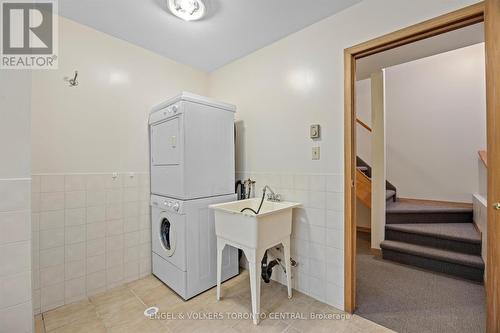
(255, 272)
(288, 266)
(220, 248)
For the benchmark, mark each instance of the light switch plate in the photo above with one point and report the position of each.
(315, 153)
(315, 131)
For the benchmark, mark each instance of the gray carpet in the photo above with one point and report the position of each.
(420, 206)
(407, 299)
(454, 231)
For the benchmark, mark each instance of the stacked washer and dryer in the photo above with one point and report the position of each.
(192, 167)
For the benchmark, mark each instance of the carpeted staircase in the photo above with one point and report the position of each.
(432, 235)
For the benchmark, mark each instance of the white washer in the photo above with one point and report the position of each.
(192, 147)
(184, 244)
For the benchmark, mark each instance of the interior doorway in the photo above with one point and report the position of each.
(489, 12)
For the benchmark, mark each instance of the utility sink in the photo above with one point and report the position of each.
(254, 234)
(272, 224)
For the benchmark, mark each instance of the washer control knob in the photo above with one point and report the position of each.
(174, 108)
(164, 203)
(176, 206)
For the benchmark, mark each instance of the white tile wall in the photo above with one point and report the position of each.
(91, 232)
(15, 256)
(317, 231)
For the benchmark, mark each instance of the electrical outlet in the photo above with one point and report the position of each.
(315, 153)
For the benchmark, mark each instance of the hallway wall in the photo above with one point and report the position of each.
(16, 311)
(435, 124)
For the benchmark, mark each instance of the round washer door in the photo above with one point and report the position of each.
(168, 237)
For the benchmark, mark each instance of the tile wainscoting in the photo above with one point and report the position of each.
(15, 256)
(317, 231)
(91, 233)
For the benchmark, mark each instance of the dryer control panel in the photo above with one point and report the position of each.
(167, 204)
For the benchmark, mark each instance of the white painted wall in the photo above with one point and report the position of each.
(436, 123)
(101, 125)
(281, 89)
(15, 140)
(378, 143)
(16, 313)
(364, 113)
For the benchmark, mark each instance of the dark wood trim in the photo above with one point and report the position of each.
(366, 230)
(430, 28)
(492, 42)
(349, 186)
(362, 123)
(483, 155)
(376, 252)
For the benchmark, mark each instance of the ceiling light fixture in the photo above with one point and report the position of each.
(188, 10)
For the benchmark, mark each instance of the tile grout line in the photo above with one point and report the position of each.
(137, 297)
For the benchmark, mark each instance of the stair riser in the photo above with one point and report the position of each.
(391, 199)
(465, 272)
(428, 218)
(440, 243)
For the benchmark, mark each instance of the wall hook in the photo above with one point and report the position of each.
(72, 82)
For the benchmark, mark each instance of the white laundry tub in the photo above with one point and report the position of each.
(254, 234)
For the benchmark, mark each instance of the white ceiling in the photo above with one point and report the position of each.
(449, 41)
(232, 28)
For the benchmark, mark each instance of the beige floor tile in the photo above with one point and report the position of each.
(199, 326)
(236, 290)
(267, 325)
(91, 326)
(122, 310)
(160, 296)
(68, 314)
(109, 300)
(142, 325)
(123, 313)
(292, 329)
(39, 325)
(291, 308)
(144, 284)
(208, 297)
(190, 316)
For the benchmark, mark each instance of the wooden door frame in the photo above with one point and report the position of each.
(455, 20)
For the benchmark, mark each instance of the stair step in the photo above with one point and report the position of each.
(415, 211)
(462, 232)
(459, 237)
(459, 264)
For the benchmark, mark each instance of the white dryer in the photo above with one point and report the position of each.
(185, 247)
(192, 147)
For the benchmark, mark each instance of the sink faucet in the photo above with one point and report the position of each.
(274, 197)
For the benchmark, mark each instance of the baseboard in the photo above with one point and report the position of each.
(376, 252)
